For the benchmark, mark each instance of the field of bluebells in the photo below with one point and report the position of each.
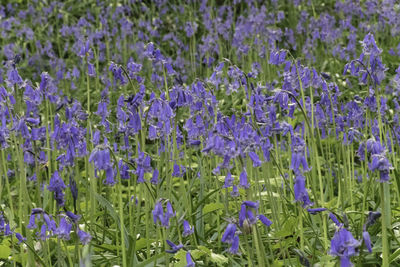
(200, 133)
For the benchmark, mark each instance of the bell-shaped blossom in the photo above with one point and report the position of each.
(344, 245)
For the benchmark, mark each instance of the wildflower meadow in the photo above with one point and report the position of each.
(200, 133)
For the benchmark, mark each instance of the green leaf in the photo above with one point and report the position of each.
(5, 252)
(142, 243)
(181, 256)
(288, 228)
(106, 204)
(395, 256)
(212, 207)
(218, 259)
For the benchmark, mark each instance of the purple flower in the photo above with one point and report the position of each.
(250, 217)
(256, 160)
(20, 238)
(344, 245)
(109, 177)
(32, 223)
(154, 178)
(176, 171)
(51, 224)
(189, 261)
(234, 249)
(7, 230)
(316, 210)
(381, 163)
(300, 191)
(57, 186)
(175, 248)
(91, 71)
(242, 214)
(229, 233)
(73, 217)
(158, 212)
(168, 214)
(100, 157)
(159, 215)
(251, 204)
(264, 220)
(84, 237)
(372, 217)
(367, 241)
(243, 180)
(335, 220)
(143, 165)
(13, 77)
(228, 180)
(187, 229)
(235, 191)
(64, 229)
(298, 154)
(43, 233)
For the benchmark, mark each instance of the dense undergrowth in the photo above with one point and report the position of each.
(207, 133)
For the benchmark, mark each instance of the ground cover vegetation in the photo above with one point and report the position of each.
(200, 133)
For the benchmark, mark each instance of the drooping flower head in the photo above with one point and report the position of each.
(344, 245)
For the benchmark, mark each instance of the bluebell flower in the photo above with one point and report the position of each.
(251, 204)
(187, 229)
(158, 213)
(235, 191)
(316, 210)
(2, 222)
(243, 180)
(264, 220)
(7, 230)
(32, 222)
(110, 174)
(229, 233)
(73, 217)
(101, 158)
(372, 217)
(169, 212)
(256, 160)
(13, 77)
(174, 248)
(143, 165)
(228, 180)
(189, 261)
(43, 233)
(251, 218)
(300, 191)
(242, 214)
(298, 147)
(118, 73)
(234, 249)
(57, 186)
(176, 171)
(344, 245)
(91, 71)
(381, 163)
(84, 237)
(20, 238)
(367, 240)
(64, 229)
(123, 170)
(335, 220)
(277, 57)
(154, 178)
